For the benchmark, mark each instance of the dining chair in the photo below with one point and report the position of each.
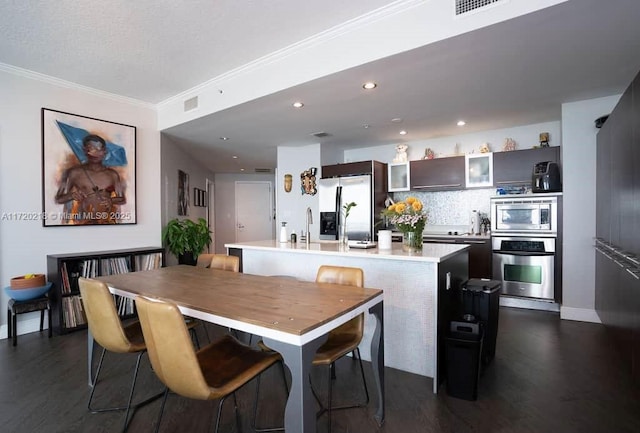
(343, 339)
(225, 262)
(213, 372)
(109, 332)
(204, 260)
(216, 261)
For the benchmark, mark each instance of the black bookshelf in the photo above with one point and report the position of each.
(63, 270)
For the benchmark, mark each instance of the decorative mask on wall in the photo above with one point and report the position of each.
(288, 182)
(308, 181)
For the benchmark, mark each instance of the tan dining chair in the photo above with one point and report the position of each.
(225, 263)
(204, 260)
(342, 340)
(108, 331)
(216, 261)
(219, 261)
(213, 372)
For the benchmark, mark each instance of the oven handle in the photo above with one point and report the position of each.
(522, 253)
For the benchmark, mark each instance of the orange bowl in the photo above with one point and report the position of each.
(38, 280)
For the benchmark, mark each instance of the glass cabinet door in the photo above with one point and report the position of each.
(479, 170)
(398, 177)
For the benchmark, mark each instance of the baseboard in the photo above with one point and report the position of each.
(25, 326)
(579, 314)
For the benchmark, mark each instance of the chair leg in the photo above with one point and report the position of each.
(9, 322)
(330, 407)
(133, 387)
(15, 329)
(95, 385)
(133, 384)
(164, 401)
(194, 337)
(41, 320)
(356, 354)
(49, 322)
(220, 404)
(255, 403)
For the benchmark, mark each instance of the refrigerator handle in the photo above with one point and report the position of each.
(338, 201)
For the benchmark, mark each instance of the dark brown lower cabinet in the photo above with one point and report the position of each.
(480, 265)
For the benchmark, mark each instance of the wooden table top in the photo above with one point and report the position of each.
(278, 303)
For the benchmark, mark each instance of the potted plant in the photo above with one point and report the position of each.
(186, 239)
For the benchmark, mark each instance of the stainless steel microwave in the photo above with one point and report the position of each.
(525, 214)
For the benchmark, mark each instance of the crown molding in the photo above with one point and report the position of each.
(300, 46)
(26, 73)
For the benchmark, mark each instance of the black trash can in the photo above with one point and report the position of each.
(463, 346)
(481, 298)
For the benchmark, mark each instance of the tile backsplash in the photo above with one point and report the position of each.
(451, 207)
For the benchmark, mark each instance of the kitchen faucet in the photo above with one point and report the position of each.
(309, 221)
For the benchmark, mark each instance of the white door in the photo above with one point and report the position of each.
(254, 211)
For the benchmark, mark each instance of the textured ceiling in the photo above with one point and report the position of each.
(512, 73)
(151, 50)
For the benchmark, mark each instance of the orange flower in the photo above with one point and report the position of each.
(400, 207)
(417, 206)
(411, 200)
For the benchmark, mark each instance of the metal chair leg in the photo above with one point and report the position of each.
(330, 407)
(255, 403)
(129, 406)
(164, 401)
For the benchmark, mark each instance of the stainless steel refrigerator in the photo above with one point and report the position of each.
(368, 191)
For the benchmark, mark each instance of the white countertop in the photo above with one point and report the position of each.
(430, 252)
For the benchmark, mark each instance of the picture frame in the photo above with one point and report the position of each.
(199, 197)
(183, 193)
(88, 171)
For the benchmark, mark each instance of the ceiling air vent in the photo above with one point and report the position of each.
(191, 104)
(321, 134)
(466, 6)
(262, 170)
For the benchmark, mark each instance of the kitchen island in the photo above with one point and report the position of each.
(417, 291)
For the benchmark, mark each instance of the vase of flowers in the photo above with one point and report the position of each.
(343, 237)
(410, 218)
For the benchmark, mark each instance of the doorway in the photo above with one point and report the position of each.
(211, 214)
(254, 211)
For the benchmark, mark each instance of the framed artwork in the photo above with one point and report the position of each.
(308, 181)
(199, 197)
(183, 193)
(88, 171)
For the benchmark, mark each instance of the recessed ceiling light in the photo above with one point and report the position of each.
(366, 126)
(234, 157)
(396, 120)
(461, 123)
(403, 132)
(224, 138)
(298, 104)
(369, 85)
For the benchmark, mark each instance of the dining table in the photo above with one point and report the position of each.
(291, 316)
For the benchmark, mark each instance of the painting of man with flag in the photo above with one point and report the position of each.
(89, 177)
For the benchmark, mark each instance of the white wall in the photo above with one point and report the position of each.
(291, 207)
(225, 205)
(174, 159)
(525, 136)
(24, 245)
(579, 185)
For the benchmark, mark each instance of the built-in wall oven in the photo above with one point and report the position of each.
(525, 265)
(523, 239)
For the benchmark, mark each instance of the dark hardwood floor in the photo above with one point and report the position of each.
(548, 376)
